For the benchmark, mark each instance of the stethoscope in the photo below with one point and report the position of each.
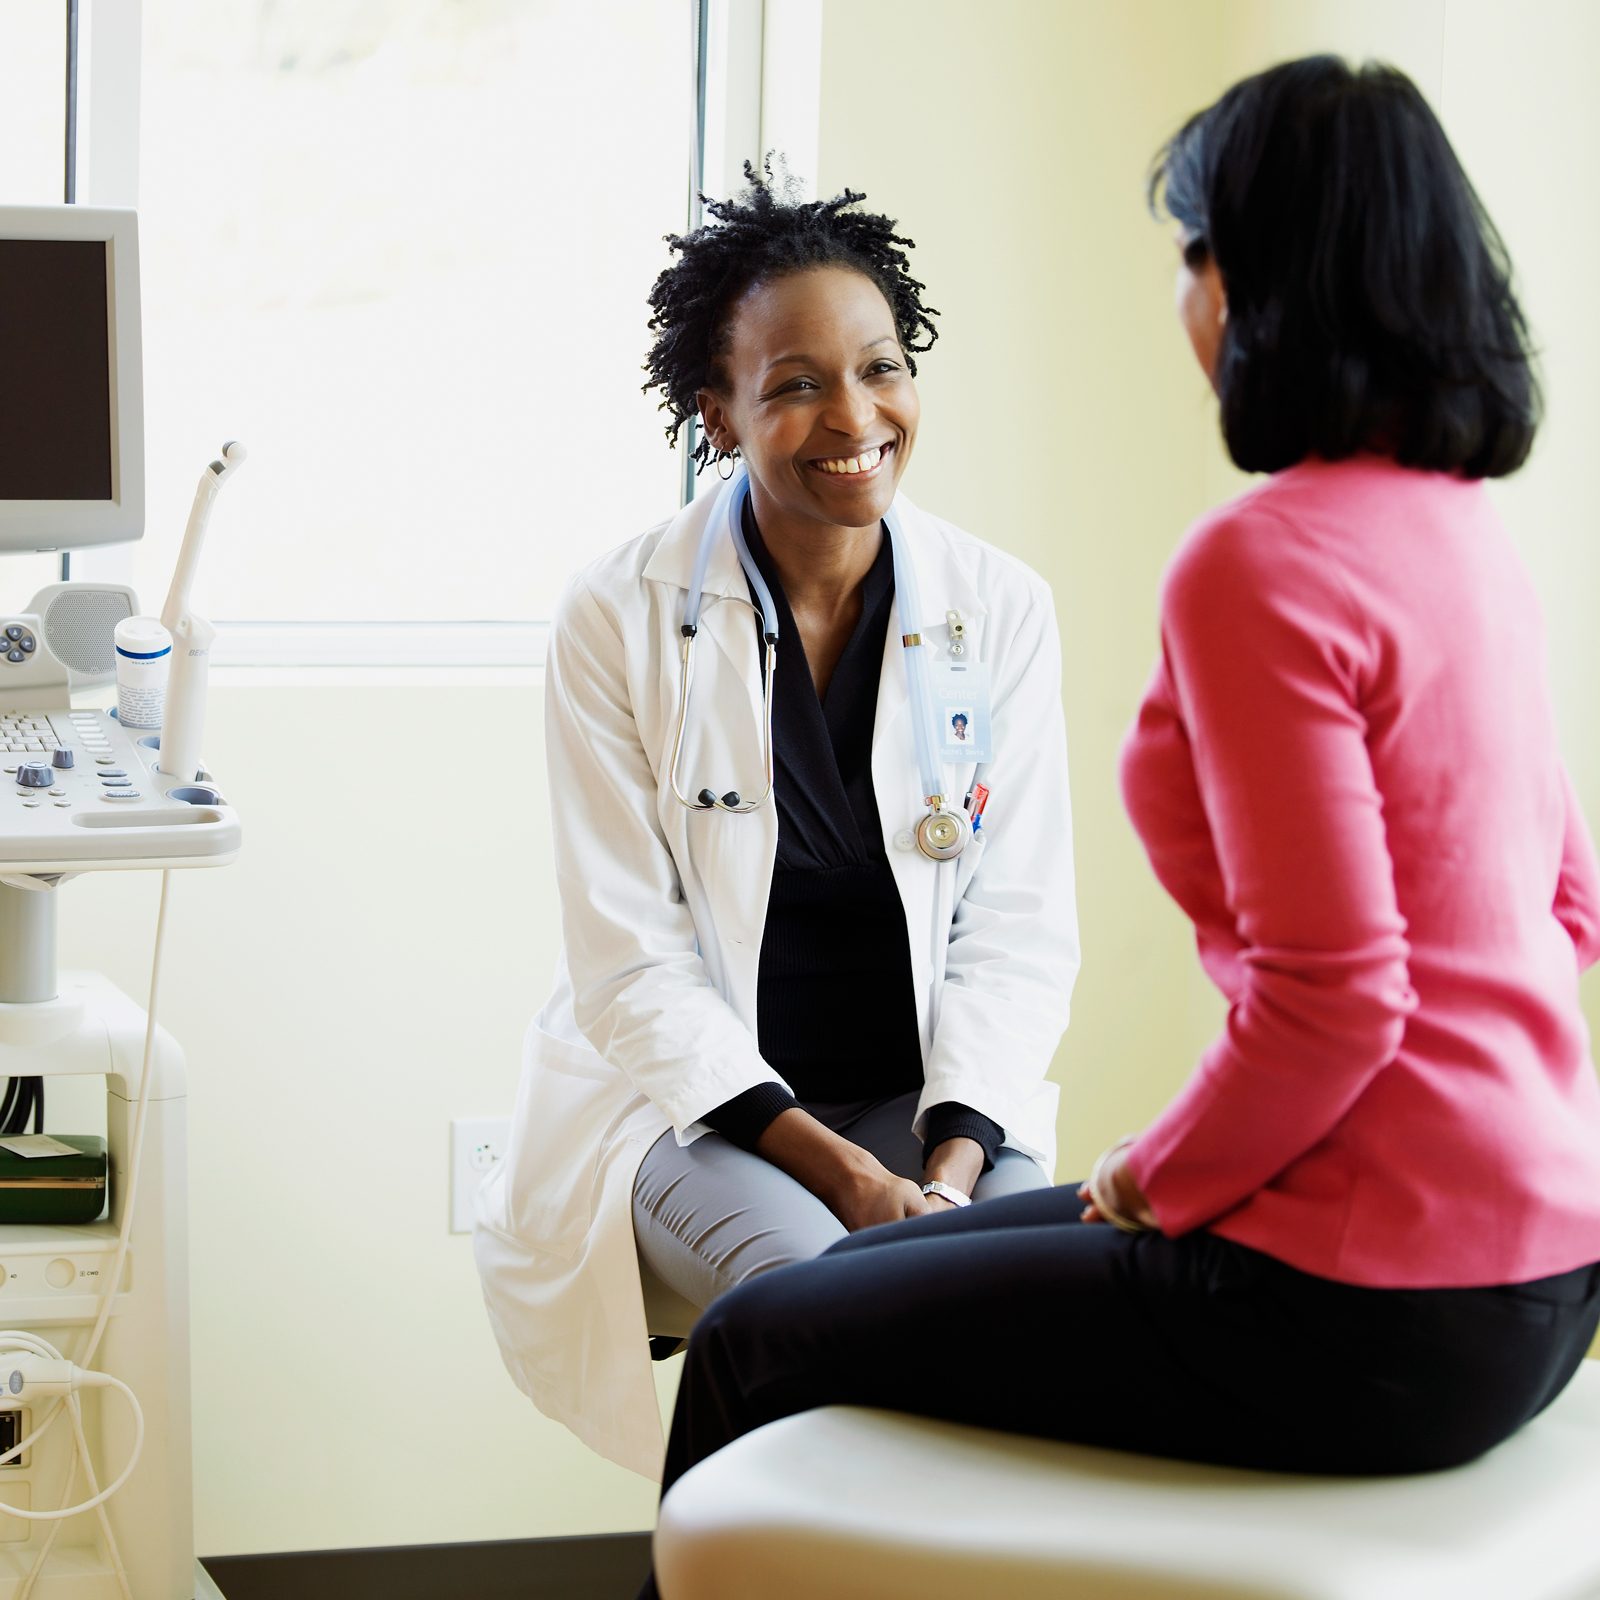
(942, 833)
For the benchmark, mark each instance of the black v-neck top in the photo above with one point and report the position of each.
(836, 1013)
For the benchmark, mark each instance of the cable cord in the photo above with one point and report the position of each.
(113, 1552)
(108, 1293)
(24, 1099)
(32, 1345)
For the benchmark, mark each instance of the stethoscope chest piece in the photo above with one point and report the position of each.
(943, 835)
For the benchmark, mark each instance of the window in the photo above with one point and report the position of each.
(402, 250)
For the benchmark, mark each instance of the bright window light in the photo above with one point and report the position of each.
(33, 76)
(401, 250)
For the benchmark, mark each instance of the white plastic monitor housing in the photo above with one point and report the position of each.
(72, 524)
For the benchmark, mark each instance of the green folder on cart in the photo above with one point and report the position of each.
(64, 1188)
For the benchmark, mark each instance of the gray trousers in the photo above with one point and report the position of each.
(709, 1215)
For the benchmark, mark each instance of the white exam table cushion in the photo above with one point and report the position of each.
(848, 1504)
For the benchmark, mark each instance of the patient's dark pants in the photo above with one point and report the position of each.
(1014, 1315)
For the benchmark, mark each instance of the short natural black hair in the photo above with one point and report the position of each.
(1369, 295)
(767, 232)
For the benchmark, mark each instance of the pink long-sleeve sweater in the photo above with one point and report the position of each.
(1345, 772)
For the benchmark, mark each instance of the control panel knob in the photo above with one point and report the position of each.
(61, 1273)
(34, 775)
(61, 757)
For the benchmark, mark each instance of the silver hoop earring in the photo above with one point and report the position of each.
(730, 461)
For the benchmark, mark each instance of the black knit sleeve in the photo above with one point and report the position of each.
(743, 1119)
(952, 1120)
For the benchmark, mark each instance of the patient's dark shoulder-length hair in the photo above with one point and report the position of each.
(1369, 296)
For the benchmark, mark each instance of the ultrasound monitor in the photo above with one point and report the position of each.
(71, 392)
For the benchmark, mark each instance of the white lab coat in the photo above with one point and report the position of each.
(652, 1023)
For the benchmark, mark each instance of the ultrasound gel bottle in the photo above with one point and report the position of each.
(144, 653)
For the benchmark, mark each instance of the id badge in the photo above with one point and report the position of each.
(961, 709)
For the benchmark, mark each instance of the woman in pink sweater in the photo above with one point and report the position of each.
(1365, 1235)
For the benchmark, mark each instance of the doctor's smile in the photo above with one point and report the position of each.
(863, 464)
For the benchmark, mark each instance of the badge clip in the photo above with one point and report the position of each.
(958, 633)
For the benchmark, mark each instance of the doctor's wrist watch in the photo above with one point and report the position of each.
(947, 1191)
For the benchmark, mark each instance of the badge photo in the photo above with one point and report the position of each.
(961, 690)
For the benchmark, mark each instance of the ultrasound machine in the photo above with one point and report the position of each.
(95, 1470)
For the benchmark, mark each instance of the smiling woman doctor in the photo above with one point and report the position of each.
(801, 993)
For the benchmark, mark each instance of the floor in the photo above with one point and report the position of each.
(605, 1567)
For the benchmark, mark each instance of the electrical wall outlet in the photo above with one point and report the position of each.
(477, 1146)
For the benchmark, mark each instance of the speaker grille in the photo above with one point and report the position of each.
(79, 625)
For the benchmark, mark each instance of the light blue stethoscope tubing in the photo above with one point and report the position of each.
(942, 834)
(731, 509)
(769, 612)
(910, 605)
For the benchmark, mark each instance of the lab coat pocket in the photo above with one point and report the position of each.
(556, 1139)
(970, 860)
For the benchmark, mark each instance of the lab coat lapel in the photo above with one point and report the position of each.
(734, 667)
(725, 861)
(725, 620)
